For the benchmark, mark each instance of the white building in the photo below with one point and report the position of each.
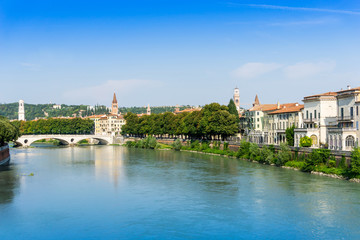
(346, 133)
(319, 114)
(21, 113)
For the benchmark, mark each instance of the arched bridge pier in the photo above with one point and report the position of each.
(27, 140)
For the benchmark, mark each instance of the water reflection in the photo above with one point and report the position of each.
(109, 191)
(9, 182)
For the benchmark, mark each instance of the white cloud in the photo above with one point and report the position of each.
(103, 93)
(255, 69)
(308, 69)
(266, 6)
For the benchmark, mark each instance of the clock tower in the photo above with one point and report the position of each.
(114, 106)
(237, 99)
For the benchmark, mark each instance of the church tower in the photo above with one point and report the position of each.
(237, 99)
(148, 111)
(256, 102)
(21, 111)
(114, 106)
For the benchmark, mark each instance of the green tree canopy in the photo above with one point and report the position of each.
(8, 131)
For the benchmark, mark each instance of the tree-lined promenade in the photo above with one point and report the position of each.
(56, 126)
(212, 121)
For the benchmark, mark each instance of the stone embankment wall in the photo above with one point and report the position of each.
(4, 153)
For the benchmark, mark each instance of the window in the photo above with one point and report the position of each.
(357, 110)
(307, 114)
(258, 113)
(350, 141)
(357, 125)
(310, 115)
(342, 113)
(314, 113)
(319, 115)
(351, 111)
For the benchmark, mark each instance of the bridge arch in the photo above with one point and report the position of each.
(61, 140)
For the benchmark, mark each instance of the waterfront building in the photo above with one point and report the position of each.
(21, 113)
(276, 123)
(319, 114)
(344, 134)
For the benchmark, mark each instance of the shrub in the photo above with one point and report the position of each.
(226, 146)
(266, 155)
(284, 155)
(331, 164)
(342, 163)
(195, 145)
(204, 145)
(177, 145)
(254, 151)
(355, 162)
(295, 164)
(243, 151)
(305, 142)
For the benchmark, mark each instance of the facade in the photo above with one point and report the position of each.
(21, 113)
(331, 120)
(278, 121)
(346, 133)
(319, 115)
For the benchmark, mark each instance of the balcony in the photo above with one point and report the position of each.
(345, 119)
(310, 120)
(343, 130)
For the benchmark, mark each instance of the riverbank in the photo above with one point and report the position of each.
(319, 162)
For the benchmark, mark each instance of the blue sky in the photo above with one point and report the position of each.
(176, 52)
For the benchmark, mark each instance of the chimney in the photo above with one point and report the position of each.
(348, 87)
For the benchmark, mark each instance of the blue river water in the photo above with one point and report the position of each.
(112, 192)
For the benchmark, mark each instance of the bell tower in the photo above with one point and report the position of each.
(114, 106)
(237, 99)
(21, 111)
(148, 110)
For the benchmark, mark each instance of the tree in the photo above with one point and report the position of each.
(305, 142)
(290, 135)
(233, 110)
(8, 132)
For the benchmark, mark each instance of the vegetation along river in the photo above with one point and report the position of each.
(112, 192)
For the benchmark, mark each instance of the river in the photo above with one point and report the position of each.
(112, 192)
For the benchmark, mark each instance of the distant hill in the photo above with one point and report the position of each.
(33, 111)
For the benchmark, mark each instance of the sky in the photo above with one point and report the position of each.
(176, 52)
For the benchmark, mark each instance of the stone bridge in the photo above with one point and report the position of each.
(26, 140)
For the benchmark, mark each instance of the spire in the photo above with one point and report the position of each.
(114, 99)
(278, 105)
(257, 102)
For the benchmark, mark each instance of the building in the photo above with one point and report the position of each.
(148, 110)
(331, 120)
(267, 123)
(285, 116)
(21, 113)
(57, 106)
(344, 133)
(319, 114)
(111, 123)
(237, 99)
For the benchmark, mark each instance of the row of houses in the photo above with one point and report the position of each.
(330, 119)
